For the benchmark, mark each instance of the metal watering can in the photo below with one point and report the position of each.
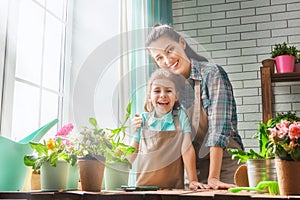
(12, 169)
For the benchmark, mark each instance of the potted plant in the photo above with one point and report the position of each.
(93, 143)
(261, 165)
(104, 146)
(284, 57)
(117, 165)
(52, 159)
(284, 141)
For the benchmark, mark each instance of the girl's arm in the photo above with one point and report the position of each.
(189, 160)
(136, 123)
(133, 156)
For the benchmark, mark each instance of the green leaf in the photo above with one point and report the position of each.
(295, 154)
(263, 140)
(29, 160)
(128, 109)
(40, 148)
(93, 122)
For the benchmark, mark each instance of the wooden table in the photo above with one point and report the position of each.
(143, 195)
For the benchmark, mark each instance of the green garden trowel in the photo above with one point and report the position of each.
(261, 186)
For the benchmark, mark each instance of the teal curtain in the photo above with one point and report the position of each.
(145, 13)
(159, 11)
(138, 74)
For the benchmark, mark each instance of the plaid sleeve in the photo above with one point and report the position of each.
(219, 102)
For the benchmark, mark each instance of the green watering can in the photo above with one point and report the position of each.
(12, 169)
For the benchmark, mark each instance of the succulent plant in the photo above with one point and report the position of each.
(284, 49)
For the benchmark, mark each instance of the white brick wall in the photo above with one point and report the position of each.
(239, 34)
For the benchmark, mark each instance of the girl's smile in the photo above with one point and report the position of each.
(162, 96)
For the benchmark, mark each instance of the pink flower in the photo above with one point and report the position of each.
(283, 126)
(286, 135)
(294, 131)
(66, 142)
(273, 132)
(65, 130)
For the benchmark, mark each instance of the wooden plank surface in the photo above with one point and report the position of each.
(146, 195)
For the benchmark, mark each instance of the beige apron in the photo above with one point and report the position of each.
(200, 123)
(159, 160)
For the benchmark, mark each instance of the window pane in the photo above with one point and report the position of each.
(49, 110)
(25, 111)
(42, 2)
(57, 7)
(52, 52)
(29, 42)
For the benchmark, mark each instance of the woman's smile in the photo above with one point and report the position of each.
(174, 66)
(170, 55)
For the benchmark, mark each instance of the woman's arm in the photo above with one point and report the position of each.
(216, 155)
(222, 121)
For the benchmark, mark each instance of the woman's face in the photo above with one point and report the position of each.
(162, 96)
(170, 55)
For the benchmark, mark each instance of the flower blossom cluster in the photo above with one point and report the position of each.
(286, 129)
(63, 133)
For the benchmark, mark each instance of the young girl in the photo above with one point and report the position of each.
(210, 105)
(163, 141)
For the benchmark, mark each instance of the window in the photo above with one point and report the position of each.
(33, 88)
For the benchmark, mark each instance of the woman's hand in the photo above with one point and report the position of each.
(216, 184)
(136, 122)
(194, 185)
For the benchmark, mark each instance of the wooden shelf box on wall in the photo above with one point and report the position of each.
(267, 78)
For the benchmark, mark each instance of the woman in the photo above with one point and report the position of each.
(211, 103)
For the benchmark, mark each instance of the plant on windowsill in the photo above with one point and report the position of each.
(105, 145)
(118, 166)
(52, 158)
(95, 142)
(92, 146)
(284, 56)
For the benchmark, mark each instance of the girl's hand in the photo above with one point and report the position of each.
(136, 122)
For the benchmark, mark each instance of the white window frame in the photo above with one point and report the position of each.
(8, 21)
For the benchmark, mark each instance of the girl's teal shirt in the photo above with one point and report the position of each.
(165, 123)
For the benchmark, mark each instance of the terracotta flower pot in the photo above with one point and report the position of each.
(288, 173)
(91, 174)
(35, 181)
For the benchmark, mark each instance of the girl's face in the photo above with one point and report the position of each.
(170, 55)
(162, 96)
